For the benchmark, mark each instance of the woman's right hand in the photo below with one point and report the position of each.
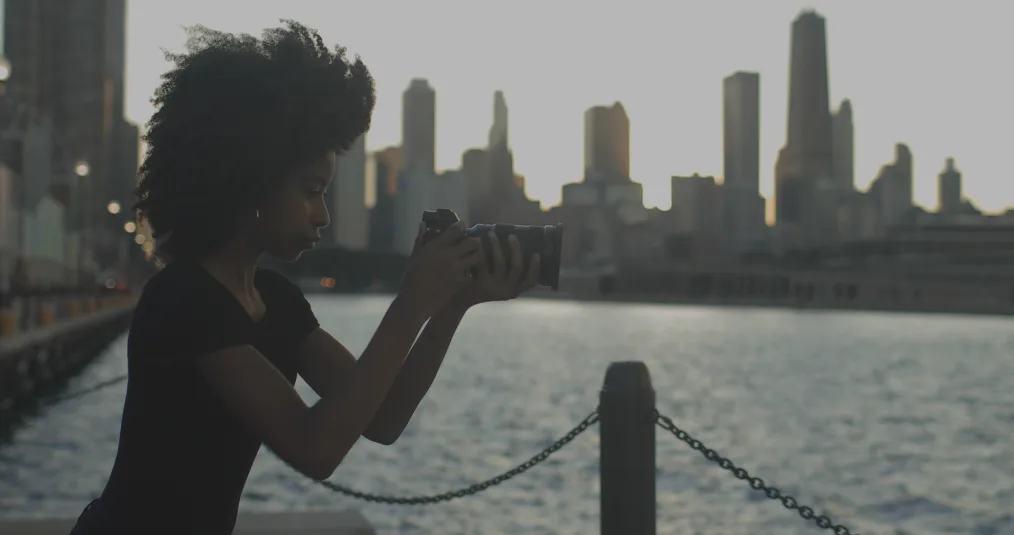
(439, 269)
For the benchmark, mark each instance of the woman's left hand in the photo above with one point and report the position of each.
(500, 282)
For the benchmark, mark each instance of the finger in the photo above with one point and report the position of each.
(464, 278)
(470, 259)
(466, 247)
(514, 275)
(534, 267)
(454, 233)
(484, 268)
(495, 248)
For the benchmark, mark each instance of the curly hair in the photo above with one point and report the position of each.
(234, 116)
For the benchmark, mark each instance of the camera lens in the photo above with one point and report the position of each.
(545, 240)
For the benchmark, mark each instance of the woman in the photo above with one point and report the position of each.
(240, 155)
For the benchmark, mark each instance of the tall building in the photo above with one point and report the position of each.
(495, 192)
(68, 62)
(498, 132)
(843, 143)
(891, 190)
(419, 191)
(744, 217)
(499, 156)
(741, 132)
(806, 159)
(697, 206)
(349, 218)
(607, 144)
(950, 200)
(418, 127)
(387, 167)
(475, 168)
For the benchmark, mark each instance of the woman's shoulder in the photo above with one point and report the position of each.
(174, 282)
(278, 285)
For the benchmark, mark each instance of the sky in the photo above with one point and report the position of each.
(929, 74)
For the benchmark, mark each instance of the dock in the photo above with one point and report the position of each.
(349, 522)
(52, 341)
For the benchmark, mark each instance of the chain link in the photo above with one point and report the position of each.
(476, 488)
(756, 483)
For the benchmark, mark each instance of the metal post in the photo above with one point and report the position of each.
(627, 450)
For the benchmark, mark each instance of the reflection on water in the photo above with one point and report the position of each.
(884, 422)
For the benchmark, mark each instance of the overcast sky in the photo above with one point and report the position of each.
(930, 74)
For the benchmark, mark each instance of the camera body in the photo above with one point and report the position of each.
(546, 240)
(437, 221)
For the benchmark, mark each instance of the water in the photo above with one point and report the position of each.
(890, 423)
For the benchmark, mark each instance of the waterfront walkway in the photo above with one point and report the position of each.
(291, 523)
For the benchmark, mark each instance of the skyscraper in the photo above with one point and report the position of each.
(744, 215)
(891, 190)
(949, 189)
(843, 135)
(499, 155)
(387, 166)
(349, 220)
(418, 127)
(498, 132)
(475, 168)
(607, 144)
(807, 155)
(741, 132)
(68, 62)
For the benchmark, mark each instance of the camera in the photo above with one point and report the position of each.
(546, 240)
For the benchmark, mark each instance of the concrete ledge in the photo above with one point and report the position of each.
(19, 342)
(295, 523)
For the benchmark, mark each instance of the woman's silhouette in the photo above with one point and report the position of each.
(241, 151)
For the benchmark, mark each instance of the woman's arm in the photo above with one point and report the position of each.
(328, 367)
(417, 375)
(314, 440)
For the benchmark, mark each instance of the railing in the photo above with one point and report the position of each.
(23, 314)
(627, 420)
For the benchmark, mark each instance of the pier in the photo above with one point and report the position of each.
(47, 339)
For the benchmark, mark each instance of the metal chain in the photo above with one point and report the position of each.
(756, 483)
(476, 488)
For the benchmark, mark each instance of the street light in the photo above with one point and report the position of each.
(82, 169)
(113, 207)
(129, 227)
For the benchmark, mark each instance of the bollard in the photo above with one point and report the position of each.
(627, 451)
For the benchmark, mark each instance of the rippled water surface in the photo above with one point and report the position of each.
(889, 423)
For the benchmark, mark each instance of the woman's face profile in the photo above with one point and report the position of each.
(289, 221)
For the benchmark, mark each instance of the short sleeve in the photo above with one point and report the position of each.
(184, 314)
(287, 304)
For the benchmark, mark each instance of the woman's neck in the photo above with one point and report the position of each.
(235, 266)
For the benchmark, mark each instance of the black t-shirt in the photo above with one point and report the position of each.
(183, 456)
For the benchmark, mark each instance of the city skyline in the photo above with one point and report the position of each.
(919, 91)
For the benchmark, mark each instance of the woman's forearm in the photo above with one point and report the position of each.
(416, 375)
(338, 421)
